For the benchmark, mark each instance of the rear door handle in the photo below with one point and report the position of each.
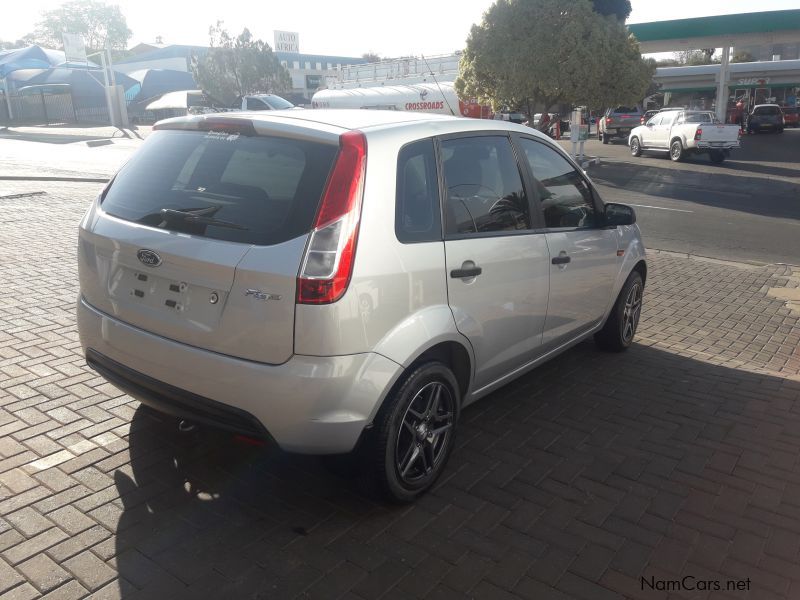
(463, 273)
(560, 260)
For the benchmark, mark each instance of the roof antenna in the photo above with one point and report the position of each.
(427, 66)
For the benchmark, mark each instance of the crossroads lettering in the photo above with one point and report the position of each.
(689, 583)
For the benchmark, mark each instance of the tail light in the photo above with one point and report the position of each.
(698, 134)
(609, 120)
(328, 261)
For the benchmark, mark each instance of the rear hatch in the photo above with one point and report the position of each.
(767, 116)
(200, 237)
(624, 118)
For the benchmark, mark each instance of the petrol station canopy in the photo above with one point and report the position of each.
(748, 29)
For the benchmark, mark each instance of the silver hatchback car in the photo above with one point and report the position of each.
(348, 281)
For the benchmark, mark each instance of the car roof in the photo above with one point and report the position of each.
(771, 104)
(341, 119)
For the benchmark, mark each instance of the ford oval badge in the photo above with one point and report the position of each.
(148, 257)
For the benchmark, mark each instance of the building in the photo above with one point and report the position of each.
(751, 83)
(406, 71)
(308, 71)
(728, 88)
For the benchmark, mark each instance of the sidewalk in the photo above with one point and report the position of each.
(678, 458)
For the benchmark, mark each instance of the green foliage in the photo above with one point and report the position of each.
(742, 56)
(101, 25)
(621, 9)
(533, 54)
(237, 66)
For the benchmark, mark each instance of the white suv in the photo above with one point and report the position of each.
(347, 281)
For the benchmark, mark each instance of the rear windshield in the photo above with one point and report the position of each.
(253, 190)
(790, 111)
(625, 109)
(767, 110)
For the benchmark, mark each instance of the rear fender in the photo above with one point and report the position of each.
(433, 324)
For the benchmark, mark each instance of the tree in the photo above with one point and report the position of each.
(602, 67)
(621, 9)
(696, 57)
(742, 56)
(237, 66)
(371, 57)
(101, 25)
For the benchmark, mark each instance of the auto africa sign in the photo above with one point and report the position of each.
(287, 41)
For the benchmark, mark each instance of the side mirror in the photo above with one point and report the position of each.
(619, 214)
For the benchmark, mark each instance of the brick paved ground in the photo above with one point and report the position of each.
(677, 458)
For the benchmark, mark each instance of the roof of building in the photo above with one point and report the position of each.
(184, 51)
(757, 22)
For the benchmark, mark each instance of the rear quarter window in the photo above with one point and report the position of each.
(254, 190)
(417, 211)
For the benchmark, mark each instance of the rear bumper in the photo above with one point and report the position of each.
(312, 405)
(710, 146)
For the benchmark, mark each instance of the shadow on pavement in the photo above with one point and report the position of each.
(752, 195)
(584, 475)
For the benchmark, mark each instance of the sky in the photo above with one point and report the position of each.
(343, 27)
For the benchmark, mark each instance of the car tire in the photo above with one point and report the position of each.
(636, 148)
(404, 456)
(717, 156)
(620, 328)
(676, 151)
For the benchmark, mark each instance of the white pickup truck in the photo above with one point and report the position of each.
(684, 132)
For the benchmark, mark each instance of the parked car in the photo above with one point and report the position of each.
(263, 102)
(790, 116)
(618, 122)
(291, 275)
(683, 132)
(765, 117)
(512, 117)
(647, 115)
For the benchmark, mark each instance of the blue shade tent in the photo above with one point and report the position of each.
(86, 87)
(156, 82)
(35, 57)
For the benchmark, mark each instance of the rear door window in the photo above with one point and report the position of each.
(483, 185)
(254, 190)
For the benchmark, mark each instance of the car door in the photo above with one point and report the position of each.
(648, 134)
(662, 130)
(583, 252)
(497, 260)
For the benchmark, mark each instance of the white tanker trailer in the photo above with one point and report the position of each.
(438, 98)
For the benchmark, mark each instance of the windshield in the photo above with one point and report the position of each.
(277, 103)
(767, 110)
(254, 190)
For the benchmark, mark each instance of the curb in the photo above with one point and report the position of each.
(742, 264)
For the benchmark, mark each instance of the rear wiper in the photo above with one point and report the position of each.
(198, 216)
